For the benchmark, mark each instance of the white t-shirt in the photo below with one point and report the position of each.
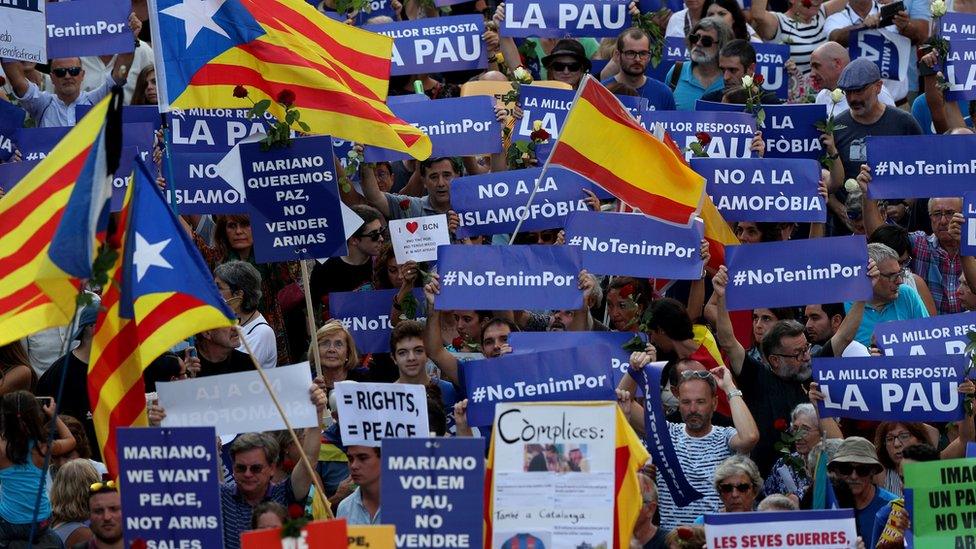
(823, 98)
(261, 337)
(847, 17)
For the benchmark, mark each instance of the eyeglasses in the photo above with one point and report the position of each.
(61, 72)
(559, 66)
(696, 374)
(241, 468)
(939, 214)
(795, 356)
(892, 277)
(375, 235)
(706, 41)
(900, 437)
(102, 485)
(741, 488)
(845, 469)
(631, 54)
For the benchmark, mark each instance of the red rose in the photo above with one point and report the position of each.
(780, 424)
(758, 79)
(539, 135)
(404, 204)
(286, 97)
(240, 91)
(685, 533)
(703, 138)
(296, 511)
(458, 342)
(627, 291)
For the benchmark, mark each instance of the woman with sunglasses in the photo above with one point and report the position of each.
(567, 62)
(737, 482)
(802, 26)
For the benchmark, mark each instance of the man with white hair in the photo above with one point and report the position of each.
(892, 298)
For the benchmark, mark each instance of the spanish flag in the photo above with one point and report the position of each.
(335, 74)
(602, 142)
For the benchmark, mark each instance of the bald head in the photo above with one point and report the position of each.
(826, 64)
(493, 76)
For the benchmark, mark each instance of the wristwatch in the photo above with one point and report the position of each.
(734, 393)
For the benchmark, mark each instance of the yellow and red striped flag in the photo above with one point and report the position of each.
(602, 142)
(339, 74)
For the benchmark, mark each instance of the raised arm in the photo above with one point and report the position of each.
(869, 206)
(432, 335)
(746, 433)
(15, 73)
(301, 477)
(374, 195)
(765, 23)
(723, 323)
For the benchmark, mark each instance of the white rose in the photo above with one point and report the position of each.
(851, 186)
(537, 125)
(837, 95)
(522, 75)
(747, 81)
(938, 8)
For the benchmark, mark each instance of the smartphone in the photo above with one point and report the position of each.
(888, 12)
(43, 401)
(191, 352)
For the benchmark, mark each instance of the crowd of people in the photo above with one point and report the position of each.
(735, 382)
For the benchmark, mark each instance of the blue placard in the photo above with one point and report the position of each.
(493, 203)
(636, 245)
(88, 27)
(432, 491)
(675, 49)
(891, 388)
(956, 25)
(938, 335)
(131, 114)
(971, 449)
(377, 8)
(797, 272)
(36, 143)
(508, 277)
(917, 166)
(560, 18)
(12, 172)
(170, 486)
(790, 130)
(612, 342)
(572, 374)
(960, 71)
(436, 45)
(658, 440)
(760, 189)
(968, 241)
(460, 126)
(731, 132)
(366, 315)
(11, 120)
(120, 180)
(771, 64)
(874, 46)
(293, 200)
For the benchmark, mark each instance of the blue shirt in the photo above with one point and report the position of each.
(865, 517)
(353, 510)
(657, 93)
(921, 112)
(907, 305)
(18, 486)
(689, 89)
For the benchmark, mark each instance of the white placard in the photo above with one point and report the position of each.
(824, 529)
(417, 238)
(22, 30)
(240, 403)
(370, 412)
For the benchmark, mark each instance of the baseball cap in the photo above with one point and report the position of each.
(87, 316)
(857, 74)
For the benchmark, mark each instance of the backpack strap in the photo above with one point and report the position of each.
(675, 74)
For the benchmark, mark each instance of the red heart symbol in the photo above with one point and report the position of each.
(412, 226)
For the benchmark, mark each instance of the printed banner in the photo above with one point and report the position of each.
(536, 377)
(36, 143)
(797, 272)
(12, 172)
(891, 388)
(88, 27)
(956, 25)
(460, 126)
(417, 238)
(493, 203)
(22, 30)
(790, 130)
(968, 241)
(731, 133)
(960, 71)
(11, 120)
(169, 481)
(508, 277)
(938, 335)
(553, 475)
(890, 51)
(432, 491)
(771, 64)
(240, 403)
(622, 244)
(370, 412)
(943, 502)
(440, 44)
(131, 114)
(658, 440)
(825, 529)
(293, 200)
(761, 189)
(921, 166)
(971, 449)
(318, 533)
(561, 18)
(366, 315)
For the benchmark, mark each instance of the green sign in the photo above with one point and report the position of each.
(943, 502)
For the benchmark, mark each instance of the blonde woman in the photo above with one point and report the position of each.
(337, 353)
(69, 501)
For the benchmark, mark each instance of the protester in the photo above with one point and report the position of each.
(633, 54)
(348, 272)
(435, 175)
(362, 507)
(337, 353)
(731, 12)
(890, 527)
(217, 354)
(683, 21)
(268, 515)
(892, 437)
(691, 80)
(827, 62)
(239, 284)
(855, 464)
(145, 91)
(897, 238)
(647, 534)
(15, 371)
(788, 475)
(106, 517)
(69, 501)
(738, 484)
(736, 59)
(892, 299)
(802, 26)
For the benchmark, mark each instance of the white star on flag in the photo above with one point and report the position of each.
(149, 255)
(196, 15)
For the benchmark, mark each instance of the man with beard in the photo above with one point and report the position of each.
(105, 508)
(632, 55)
(831, 330)
(690, 81)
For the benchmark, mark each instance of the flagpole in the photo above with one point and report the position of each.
(310, 318)
(319, 489)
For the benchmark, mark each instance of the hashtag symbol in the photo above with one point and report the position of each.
(881, 168)
(346, 323)
(576, 241)
(32, 156)
(478, 394)
(450, 277)
(739, 278)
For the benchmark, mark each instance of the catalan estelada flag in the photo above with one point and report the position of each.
(160, 293)
(49, 225)
(338, 73)
(602, 142)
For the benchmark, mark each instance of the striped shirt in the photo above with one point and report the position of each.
(699, 457)
(802, 37)
(237, 513)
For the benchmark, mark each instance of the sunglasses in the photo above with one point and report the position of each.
(706, 41)
(62, 72)
(559, 66)
(844, 469)
(741, 488)
(240, 468)
(375, 235)
(99, 486)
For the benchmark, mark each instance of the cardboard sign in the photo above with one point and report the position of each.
(370, 412)
(318, 533)
(559, 18)
(764, 189)
(417, 238)
(826, 529)
(943, 502)
(938, 335)
(22, 25)
(378, 536)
